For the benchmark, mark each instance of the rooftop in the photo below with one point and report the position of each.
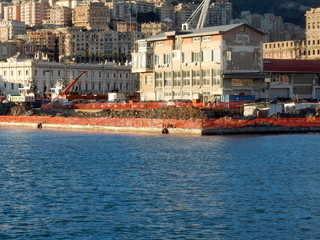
(289, 65)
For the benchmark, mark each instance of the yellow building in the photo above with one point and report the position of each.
(308, 48)
(91, 15)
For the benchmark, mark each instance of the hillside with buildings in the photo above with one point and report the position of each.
(47, 43)
(291, 11)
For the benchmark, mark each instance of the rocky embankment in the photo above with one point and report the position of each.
(180, 113)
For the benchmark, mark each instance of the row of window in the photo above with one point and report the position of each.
(186, 78)
(314, 25)
(186, 94)
(188, 57)
(109, 86)
(75, 73)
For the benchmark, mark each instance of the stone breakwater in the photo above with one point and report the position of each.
(171, 126)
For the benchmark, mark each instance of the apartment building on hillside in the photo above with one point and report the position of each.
(305, 49)
(208, 62)
(91, 15)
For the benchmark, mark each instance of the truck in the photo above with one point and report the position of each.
(26, 95)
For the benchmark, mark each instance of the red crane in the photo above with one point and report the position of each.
(64, 91)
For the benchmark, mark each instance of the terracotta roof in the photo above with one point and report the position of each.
(288, 65)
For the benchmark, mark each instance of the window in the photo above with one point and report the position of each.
(167, 58)
(195, 56)
(206, 38)
(186, 57)
(149, 80)
(216, 56)
(206, 77)
(167, 79)
(186, 78)
(158, 59)
(186, 95)
(176, 79)
(196, 78)
(255, 56)
(159, 79)
(229, 55)
(177, 94)
(168, 94)
(159, 43)
(206, 56)
(216, 77)
(196, 39)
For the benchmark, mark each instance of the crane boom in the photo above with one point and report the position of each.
(203, 14)
(203, 9)
(64, 91)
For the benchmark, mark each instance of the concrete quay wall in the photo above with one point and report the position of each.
(172, 126)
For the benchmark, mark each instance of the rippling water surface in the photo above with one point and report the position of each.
(77, 185)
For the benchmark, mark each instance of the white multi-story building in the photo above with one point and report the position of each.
(94, 46)
(20, 71)
(10, 29)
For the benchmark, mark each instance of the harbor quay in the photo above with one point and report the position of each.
(168, 126)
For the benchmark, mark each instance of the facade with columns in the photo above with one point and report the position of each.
(20, 71)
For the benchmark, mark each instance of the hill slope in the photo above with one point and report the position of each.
(291, 11)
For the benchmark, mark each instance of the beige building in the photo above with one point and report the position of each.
(127, 27)
(91, 15)
(313, 33)
(285, 50)
(43, 39)
(208, 62)
(308, 48)
(20, 71)
(10, 29)
(12, 13)
(59, 16)
(95, 46)
(33, 13)
(67, 3)
(153, 28)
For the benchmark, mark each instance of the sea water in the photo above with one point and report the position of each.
(86, 185)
